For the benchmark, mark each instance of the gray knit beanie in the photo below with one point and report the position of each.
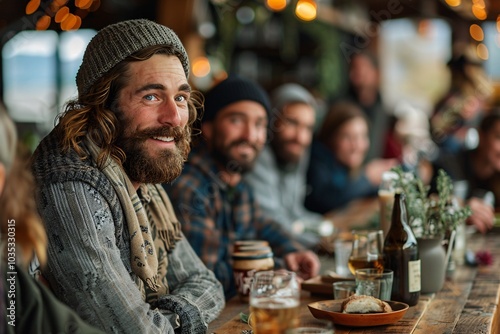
(291, 93)
(116, 42)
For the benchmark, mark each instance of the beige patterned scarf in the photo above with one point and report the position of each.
(152, 224)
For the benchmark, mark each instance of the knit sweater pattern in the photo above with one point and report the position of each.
(89, 254)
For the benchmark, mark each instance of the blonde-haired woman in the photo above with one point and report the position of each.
(30, 307)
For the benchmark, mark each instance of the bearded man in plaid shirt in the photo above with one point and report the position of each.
(215, 205)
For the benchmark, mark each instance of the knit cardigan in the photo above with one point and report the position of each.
(89, 254)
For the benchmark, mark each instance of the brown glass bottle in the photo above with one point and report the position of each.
(401, 255)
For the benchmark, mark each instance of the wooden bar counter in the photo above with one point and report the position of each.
(467, 304)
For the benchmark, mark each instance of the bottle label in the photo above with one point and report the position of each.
(414, 276)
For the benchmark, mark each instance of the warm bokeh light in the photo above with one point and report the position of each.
(276, 5)
(479, 4)
(83, 4)
(69, 22)
(78, 23)
(306, 10)
(95, 5)
(43, 23)
(60, 3)
(62, 14)
(453, 3)
(479, 12)
(498, 23)
(476, 32)
(482, 51)
(201, 67)
(32, 6)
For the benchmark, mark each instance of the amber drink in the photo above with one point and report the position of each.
(386, 192)
(365, 262)
(274, 302)
(274, 315)
(366, 250)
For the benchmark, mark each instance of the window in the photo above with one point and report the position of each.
(39, 69)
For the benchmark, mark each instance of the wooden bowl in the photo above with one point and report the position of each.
(330, 310)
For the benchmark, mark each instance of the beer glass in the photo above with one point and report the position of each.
(366, 251)
(386, 192)
(274, 302)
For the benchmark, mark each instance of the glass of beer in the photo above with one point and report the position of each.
(367, 247)
(386, 192)
(274, 302)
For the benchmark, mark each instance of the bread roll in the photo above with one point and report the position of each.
(364, 304)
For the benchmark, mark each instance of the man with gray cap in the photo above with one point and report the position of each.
(278, 178)
(116, 252)
(216, 206)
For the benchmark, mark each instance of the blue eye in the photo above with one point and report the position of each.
(181, 98)
(150, 97)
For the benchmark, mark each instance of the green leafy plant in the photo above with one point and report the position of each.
(431, 215)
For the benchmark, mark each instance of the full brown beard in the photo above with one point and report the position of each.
(232, 164)
(284, 157)
(141, 167)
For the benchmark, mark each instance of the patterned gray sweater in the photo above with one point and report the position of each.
(89, 254)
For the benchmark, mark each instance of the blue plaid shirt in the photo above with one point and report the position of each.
(214, 215)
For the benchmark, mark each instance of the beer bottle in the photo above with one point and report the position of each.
(401, 255)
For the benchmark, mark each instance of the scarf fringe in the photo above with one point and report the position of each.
(171, 236)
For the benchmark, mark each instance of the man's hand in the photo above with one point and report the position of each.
(304, 263)
(483, 214)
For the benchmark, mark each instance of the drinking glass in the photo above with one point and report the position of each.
(367, 250)
(343, 250)
(386, 192)
(312, 326)
(375, 283)
(274, 302)
(343, 289)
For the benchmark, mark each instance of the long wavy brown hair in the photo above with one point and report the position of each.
(19, 219)
(92, 114)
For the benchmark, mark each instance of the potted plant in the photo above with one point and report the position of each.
(431, 215)
(434, 219)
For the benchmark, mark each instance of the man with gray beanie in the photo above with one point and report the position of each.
(216, 206)
(116, 252)
(279, 176)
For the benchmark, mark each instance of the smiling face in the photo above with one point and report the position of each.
(351, 142)
(237, 135)
(293, 131)
(153, 106)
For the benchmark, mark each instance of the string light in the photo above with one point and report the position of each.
(57, 11)
(201, 67)
(476, 32)
(43, 23)
(306, 10)
(479, 9)
(453, 3)
(482, 51)
(61, 14)
(32, 6)
(276, 5)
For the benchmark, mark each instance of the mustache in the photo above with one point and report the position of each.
(168, 131)
(243, 142)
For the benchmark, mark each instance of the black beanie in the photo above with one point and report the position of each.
(233, 89)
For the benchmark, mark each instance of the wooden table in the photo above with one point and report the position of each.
(467, 304)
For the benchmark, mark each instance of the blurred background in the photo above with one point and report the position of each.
(272, 41)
